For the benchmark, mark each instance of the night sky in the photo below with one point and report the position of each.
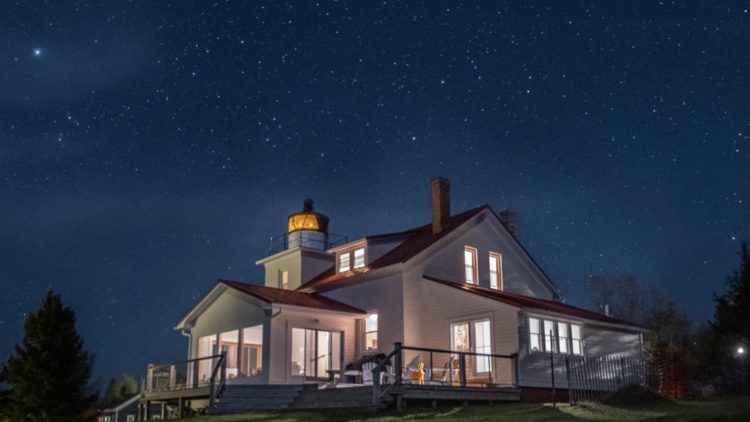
(148, 148)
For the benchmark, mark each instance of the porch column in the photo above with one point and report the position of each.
(240, 345)
(266, 352)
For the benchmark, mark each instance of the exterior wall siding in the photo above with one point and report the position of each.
(519, 274)
(428, 324)
(535, 367)
(302, 265)
(384, 296)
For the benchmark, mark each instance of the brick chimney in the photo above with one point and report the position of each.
(441, 204)
(509, 218)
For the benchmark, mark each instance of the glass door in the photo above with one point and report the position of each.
(315, 352)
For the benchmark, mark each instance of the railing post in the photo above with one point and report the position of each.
(570, 387)
(552, 368)
(223, 367)
(172, 377)
(150, 378)
(462, 368)
(211, 395)
(376, 386)
(398, 364)
(196, 367)
(143, 383)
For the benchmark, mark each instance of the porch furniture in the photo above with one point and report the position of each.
(418, 375)
(367, 373)
(411, 369)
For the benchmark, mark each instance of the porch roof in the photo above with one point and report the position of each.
(527, 302)
(291, 297)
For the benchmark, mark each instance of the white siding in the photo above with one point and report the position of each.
(303, 266)
(520, 275)
(534, 368)
(385, 296)
(430, 310)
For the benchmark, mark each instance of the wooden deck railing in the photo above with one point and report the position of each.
(188, 376)
(397, 355)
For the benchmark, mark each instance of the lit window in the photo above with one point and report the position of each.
(371, 332)
(575, 339)
(470, 257)
(344, 262)
(535, 341)
(496, 271)
(131, 418)
(562, 337)
(284, 280)
(549, 336)
(359, 258)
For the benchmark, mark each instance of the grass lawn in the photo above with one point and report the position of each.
(736, 409)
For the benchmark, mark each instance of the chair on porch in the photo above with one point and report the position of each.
(446, 375)
(411, 370)
(367, 373)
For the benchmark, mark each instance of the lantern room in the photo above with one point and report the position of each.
(308, 219)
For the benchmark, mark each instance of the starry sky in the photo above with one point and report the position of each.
(148, 148)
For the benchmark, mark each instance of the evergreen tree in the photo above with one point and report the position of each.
(49, 372)
(732, 316)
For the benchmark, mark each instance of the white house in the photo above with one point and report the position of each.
(460, 284)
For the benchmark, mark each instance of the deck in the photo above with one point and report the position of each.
(264, 398)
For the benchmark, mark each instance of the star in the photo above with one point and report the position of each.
(37, 52)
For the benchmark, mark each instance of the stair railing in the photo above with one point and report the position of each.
(376, 393)
(216, 388)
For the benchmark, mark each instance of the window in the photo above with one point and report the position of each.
(562, 337)
(252, 350)
(535, 342)
(549, 336)
(371, 332)
(284, 280)
(565, 339)
(359, 258)
(496, 271)
(131, 418)
(474, 336)
(575, 339)
(344, 260)
(470, 259)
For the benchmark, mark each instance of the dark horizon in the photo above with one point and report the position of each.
(149, 150)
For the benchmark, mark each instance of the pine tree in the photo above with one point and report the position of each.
(732, 316)
(49, 372)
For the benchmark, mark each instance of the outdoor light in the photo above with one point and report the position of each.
(741, 350)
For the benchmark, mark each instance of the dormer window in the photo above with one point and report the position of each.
(359, 258)
(344, 262)
(470, 267)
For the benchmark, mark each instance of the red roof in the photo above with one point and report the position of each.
(291, 297)
(532, 302)
(416, 240)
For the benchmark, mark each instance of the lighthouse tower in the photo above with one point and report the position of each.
(300, 254)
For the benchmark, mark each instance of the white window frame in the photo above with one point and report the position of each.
(555, 340)
(473, 252)
(348, 259)
(469, 320)
(538, 334)
(281, 279)
(365, 332)
(563, 341)
(498, 285)
(364, 258)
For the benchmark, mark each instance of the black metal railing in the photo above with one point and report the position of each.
(282, 242)
(455, 368)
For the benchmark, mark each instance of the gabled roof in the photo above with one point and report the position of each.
(270, 295)
(291, 297)
(526, 302)
(416, 240)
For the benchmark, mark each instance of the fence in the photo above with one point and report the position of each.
(591, 378)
